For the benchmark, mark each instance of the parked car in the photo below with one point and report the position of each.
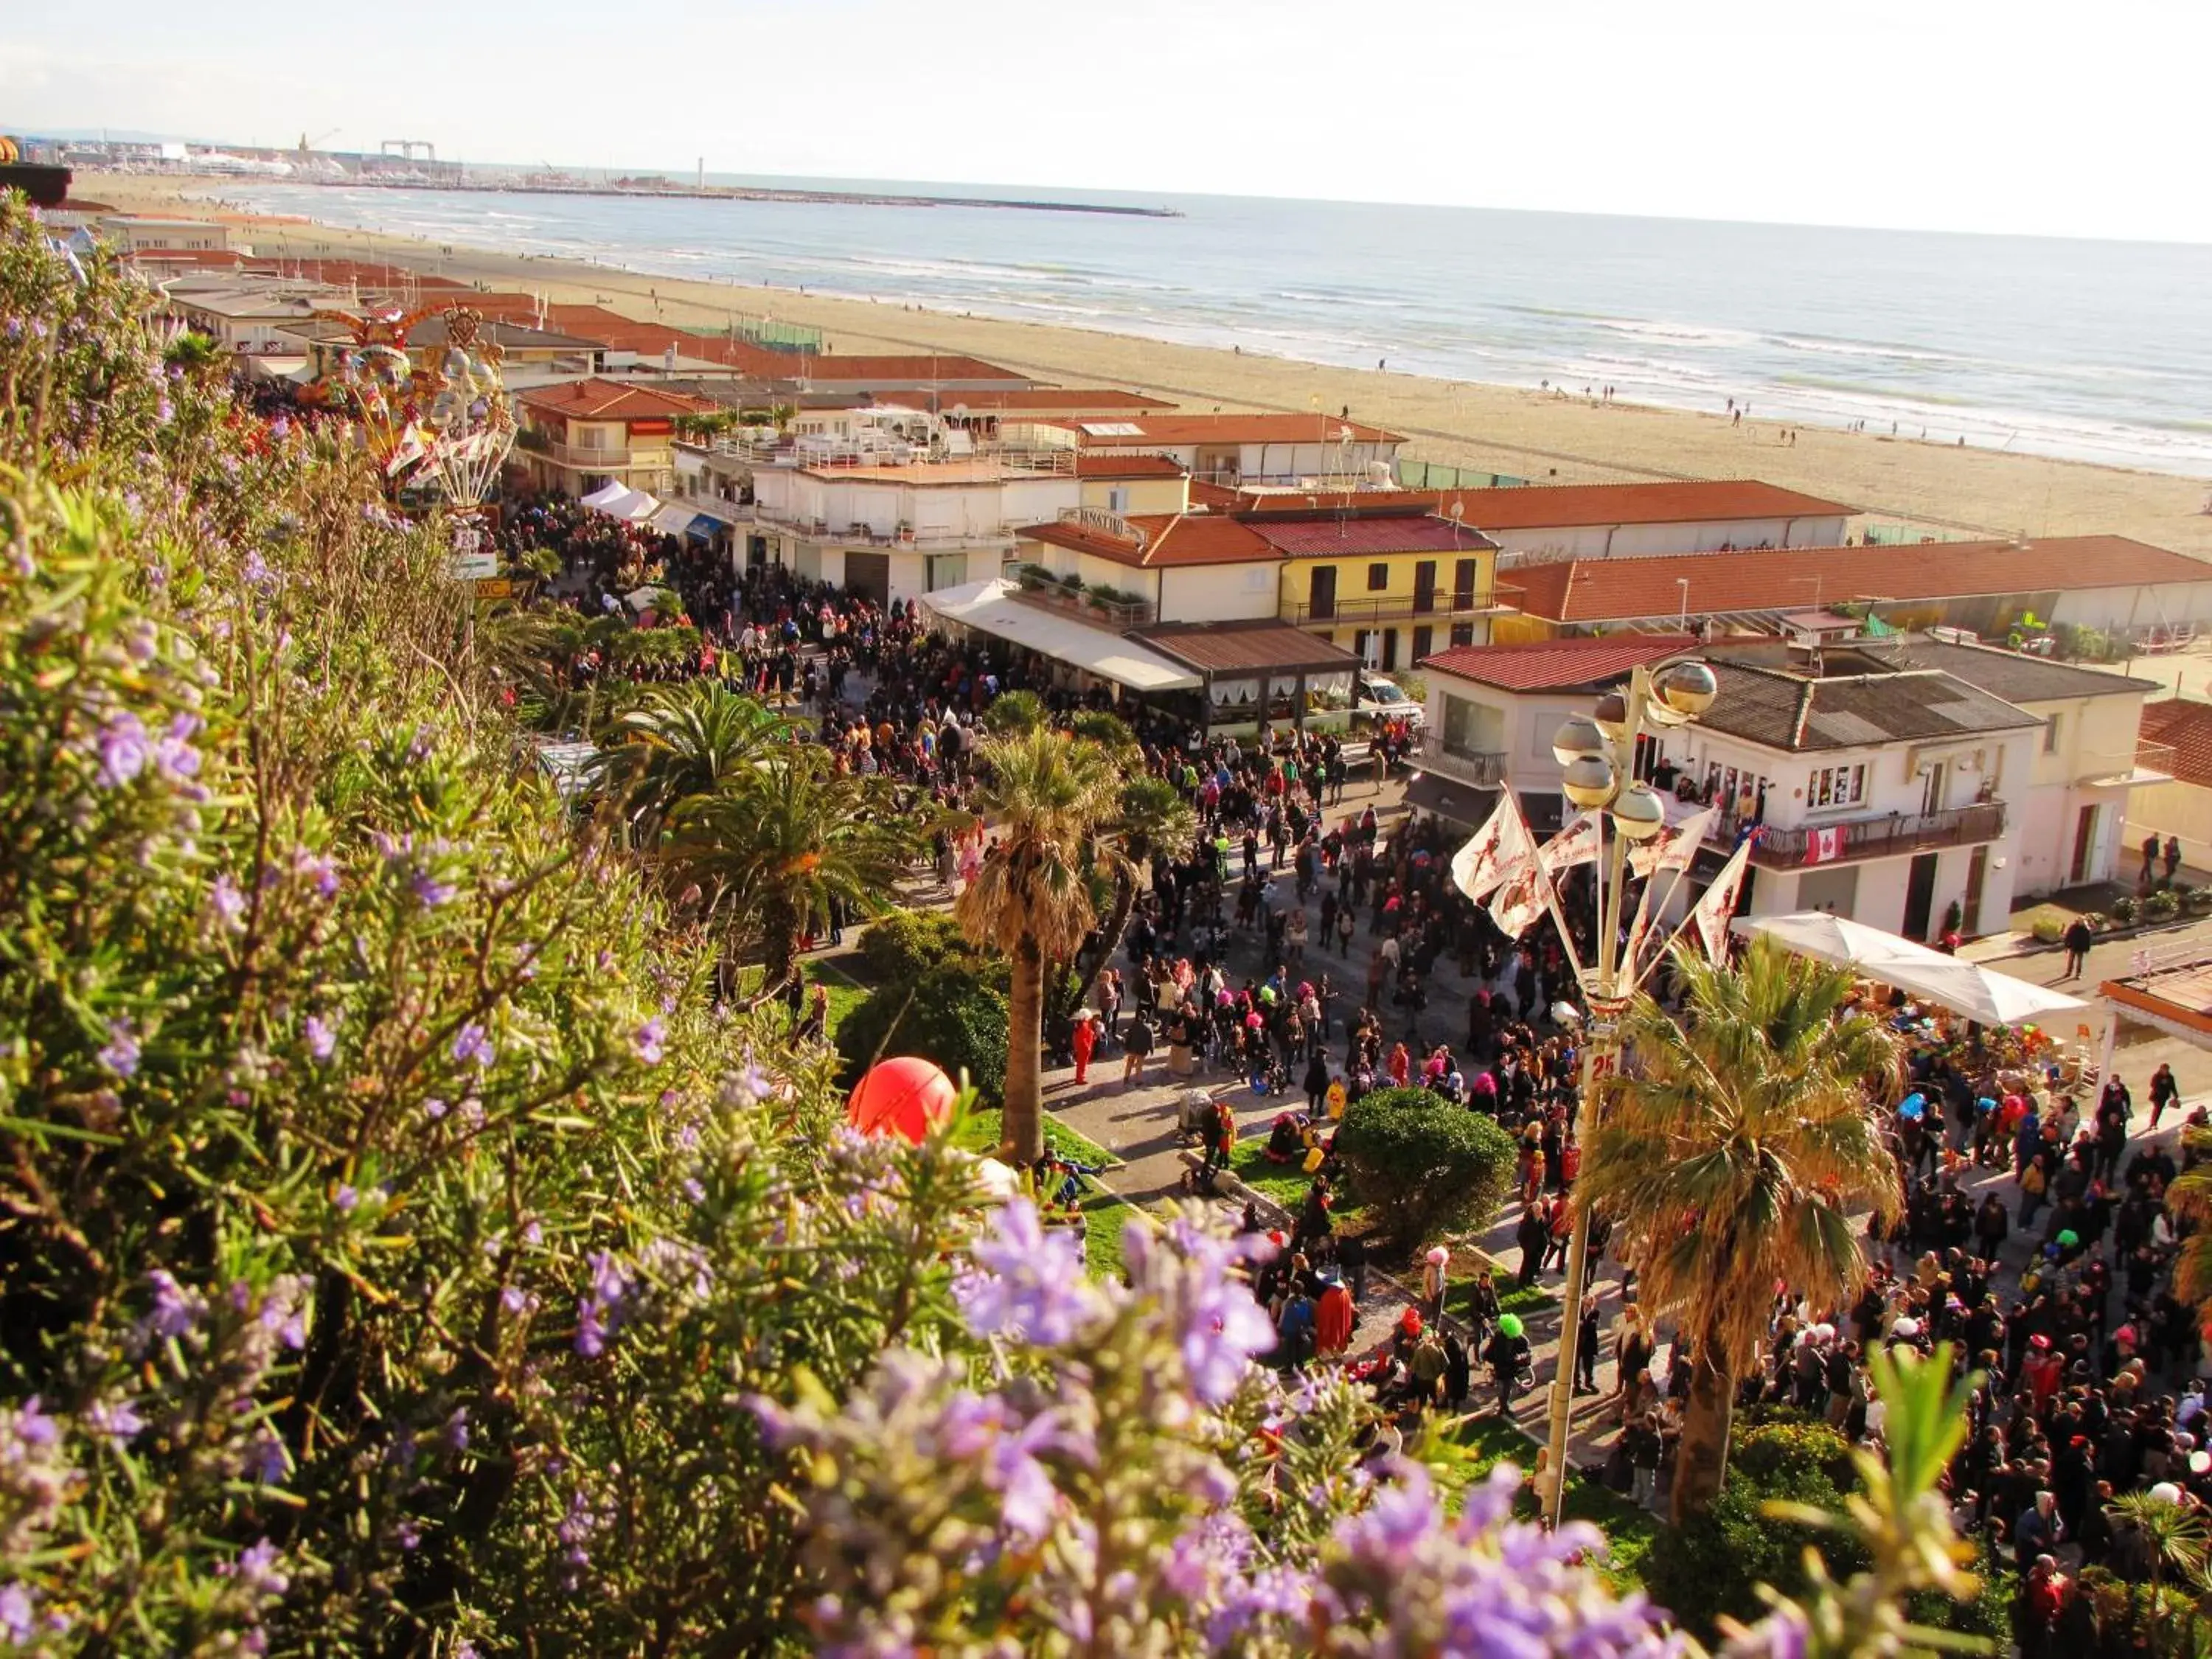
(1377, 699)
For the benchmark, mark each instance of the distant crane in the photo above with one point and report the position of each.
(308, 145)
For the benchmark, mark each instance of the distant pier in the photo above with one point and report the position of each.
(749, 193)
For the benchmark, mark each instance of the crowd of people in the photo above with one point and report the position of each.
(2036, 1234)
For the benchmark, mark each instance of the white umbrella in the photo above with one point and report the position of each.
(1964, 987)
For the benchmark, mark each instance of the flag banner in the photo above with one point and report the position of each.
(1494, 851)
(1710, 913)
(1579, 844)
(1824, 846)
(1674, 846)
(1523, 896)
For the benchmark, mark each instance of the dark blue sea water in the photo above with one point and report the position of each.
(2097, 350)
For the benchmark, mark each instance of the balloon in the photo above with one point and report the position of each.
(902, 1097)
(2166, 1492)
(1912, 1106)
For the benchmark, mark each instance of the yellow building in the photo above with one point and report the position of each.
(1392, 582)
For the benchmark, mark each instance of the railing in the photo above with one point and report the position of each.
(1120, 615)
(1484, 771)
(1398, 607)
(1872, 838)
(716, 507)
(2155, 756)
(575, 455)
(861, 535)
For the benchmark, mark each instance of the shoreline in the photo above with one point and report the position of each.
(1549, 438)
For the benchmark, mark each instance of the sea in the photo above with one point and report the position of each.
(2094, 350)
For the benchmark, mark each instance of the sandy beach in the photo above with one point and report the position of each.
(1546, 439)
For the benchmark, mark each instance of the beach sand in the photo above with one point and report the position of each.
(1545, 438)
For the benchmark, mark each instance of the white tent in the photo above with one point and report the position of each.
(990, 607)
(619, 500)
(1964, 987)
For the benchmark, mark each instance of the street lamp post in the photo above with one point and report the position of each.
(1597, 759)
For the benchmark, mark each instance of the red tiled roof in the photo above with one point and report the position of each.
(1128, 466)
(1238, 428)
(1345, 536)
(1556, 664)
(1252, 499)
(604, 400)
(1539, 507)
(985, 400)
(917, 370)
(1204, 493)
(1171, 539)
(2188, 726)
(1620, 589)
(342, 272)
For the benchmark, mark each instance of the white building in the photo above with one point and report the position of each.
(1231, 450)
(2086, 763)
(1493, 710)
(1882, 792)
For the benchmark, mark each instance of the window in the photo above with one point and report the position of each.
(2050, 733)
(1836, 785)
(1378, 577)
(1117, 499)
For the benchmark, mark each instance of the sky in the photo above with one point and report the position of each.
(2033, 118)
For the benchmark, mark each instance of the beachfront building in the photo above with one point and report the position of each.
(257, 316)
(891, 523)
(1493, 710)
(2088, 764)
(579, 436)
(132, 233)
(2177, 740)
(1314, 451)
(1883, 793)
(1131, 483)
(979, 410)
(1391, 583)
(2108, 583)
(941, 372)
(1635, 520)
(527, 355)
(1129, 569)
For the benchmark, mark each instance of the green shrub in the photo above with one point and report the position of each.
(952, 1015)
(1715, 1564)
(1428, 1167)
(2047, 930)
(2126, 911)
(2164, 905)
(906, 944)
(2198, 900)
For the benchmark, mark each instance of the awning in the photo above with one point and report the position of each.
(990, 607)
(1448, 797)
(1964, 987)
(673, 519)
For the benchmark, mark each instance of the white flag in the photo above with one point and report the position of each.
(1710, 914)
(1523, 896)
(1494, 851)
(1674, 846)
(1579, 844)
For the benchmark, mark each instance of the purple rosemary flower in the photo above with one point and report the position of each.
(322, 1037)
(256, 1571)
(122, 748)
(648, 1040)
(430, 892)
(1027, 1282)
(433, 1109)
(116, 1421)
(345, 1199)
(175, 756)
(228, 903)
(472, 1047)
(176, 1311)
(120, 1056)
(318, 870)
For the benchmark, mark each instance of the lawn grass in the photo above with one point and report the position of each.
(1484, 1442)
(1286, 1185)
(1105, 1212)
(846, 992)
(1516, 1297)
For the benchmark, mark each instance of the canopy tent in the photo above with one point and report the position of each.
(619, 500)
(1964, 987)
(673, 519)
(990, 607)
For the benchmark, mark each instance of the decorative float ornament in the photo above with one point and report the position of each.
(905, 1096)
(470, 422)
(452, 425)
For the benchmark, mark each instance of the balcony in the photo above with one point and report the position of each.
(1462, 765)
(1119, 615)
(1874, 838)
(922, 540)
(1399, 607)
(532, 441)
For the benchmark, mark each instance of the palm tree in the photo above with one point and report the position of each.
(688, 740)
(1731, 1154)
(2178, 1541)
(775, 844)
(1049, 793)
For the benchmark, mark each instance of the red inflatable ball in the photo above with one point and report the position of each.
(902, 1097)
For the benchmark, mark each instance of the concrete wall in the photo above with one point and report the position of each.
(2169, 809)
(1138, 496)
(2110, 607)
(1216, 593)
(1632, 541)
